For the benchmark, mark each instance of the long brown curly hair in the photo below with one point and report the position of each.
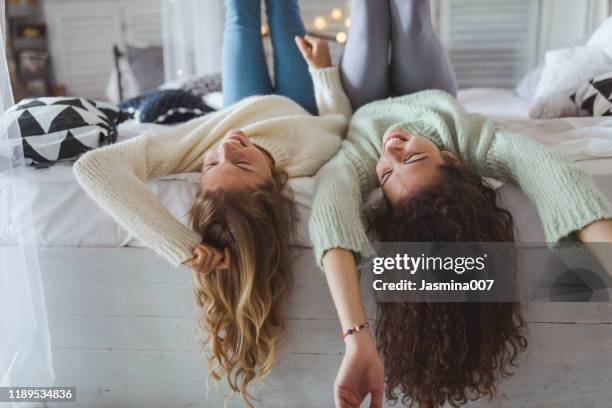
(242, 317)
(446, 352)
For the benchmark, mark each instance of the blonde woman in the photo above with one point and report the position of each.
(243, 216)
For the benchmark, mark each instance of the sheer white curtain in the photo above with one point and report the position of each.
(25, 348)
(193, 36)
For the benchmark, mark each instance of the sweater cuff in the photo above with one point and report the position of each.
(590, 207)
(328, 78)
(179, 251)
(330, 229)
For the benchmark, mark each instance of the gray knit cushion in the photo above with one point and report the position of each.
(203, 85)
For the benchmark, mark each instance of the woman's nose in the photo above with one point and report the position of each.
(393, 151)
(237, 132)
(225, 150)
(228, 150)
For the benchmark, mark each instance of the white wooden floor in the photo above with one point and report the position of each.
(123, 333)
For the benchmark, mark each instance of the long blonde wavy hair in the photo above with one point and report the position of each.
(242, 319)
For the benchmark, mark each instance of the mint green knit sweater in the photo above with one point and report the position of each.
(563, 195)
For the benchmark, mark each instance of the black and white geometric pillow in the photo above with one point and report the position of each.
(165, 107)
(596, 96)
(61, 128)
(203, 85)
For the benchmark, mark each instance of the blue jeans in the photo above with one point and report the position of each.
(244, 63)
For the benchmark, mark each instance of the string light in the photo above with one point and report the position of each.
(341, 37)
(264, 29)
(320, 23)
(179, 72)
(336, 14)
(347, 22)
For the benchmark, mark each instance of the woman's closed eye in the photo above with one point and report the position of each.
(411, 159)
(415, 157)
(209, 165)
(243, 165)
(385, 176)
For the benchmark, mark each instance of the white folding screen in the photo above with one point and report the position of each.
(141, 23)
(82, 34)
(494, 42)
(491, 43)
(565, 23)
(81, 44)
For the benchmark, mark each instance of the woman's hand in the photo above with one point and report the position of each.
(361, 373)
(207, 258)
(599, 231)
(315, 51)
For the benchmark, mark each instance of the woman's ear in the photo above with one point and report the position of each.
(450, 157)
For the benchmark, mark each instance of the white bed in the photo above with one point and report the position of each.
(65, 216)
(121, 319)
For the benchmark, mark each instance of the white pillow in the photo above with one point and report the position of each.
(528, 85)
(526, 89)
(603, 34)
(565, 71)
(214, 100)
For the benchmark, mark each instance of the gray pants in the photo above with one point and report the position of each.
(392, 50)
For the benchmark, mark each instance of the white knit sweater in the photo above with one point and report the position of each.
(114, 176)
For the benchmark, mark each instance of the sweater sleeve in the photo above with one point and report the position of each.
(114, 176)
(329, 93)
(335, 219)
(564, 196)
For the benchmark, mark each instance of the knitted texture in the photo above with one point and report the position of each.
(563, 195)
(115, 176)
(203, 85)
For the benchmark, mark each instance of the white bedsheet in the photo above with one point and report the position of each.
(494, 102)
(65, 216)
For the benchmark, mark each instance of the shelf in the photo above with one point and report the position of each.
(22, 11)
(29, 44)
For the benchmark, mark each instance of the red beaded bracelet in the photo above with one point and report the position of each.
(355, 329)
